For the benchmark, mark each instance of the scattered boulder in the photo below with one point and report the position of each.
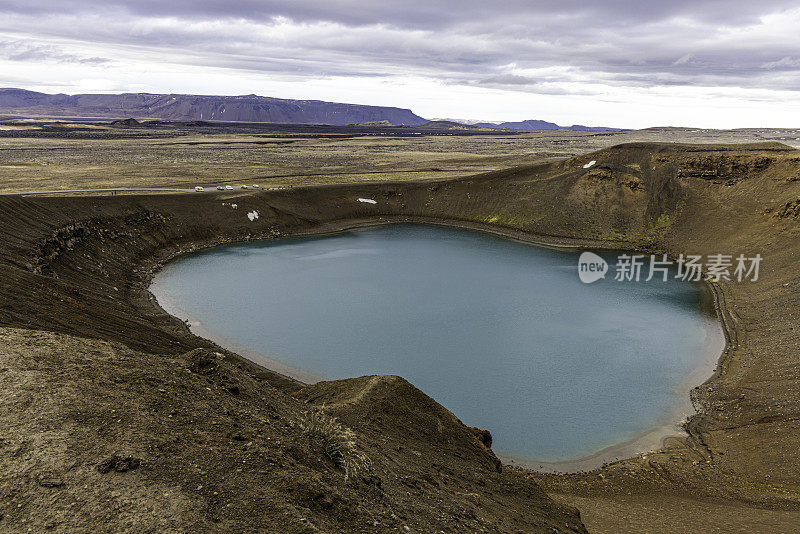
(49, 480)
(203, 361)
(118, 463)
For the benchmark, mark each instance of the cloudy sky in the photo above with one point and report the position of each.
(628, 63)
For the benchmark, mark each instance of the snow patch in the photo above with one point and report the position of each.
(253, 215)
(591, 163)
(367, 200)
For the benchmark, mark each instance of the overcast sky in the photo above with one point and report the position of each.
(706, 63)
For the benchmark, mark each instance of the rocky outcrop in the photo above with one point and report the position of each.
(790, 210)
(723, 169)
(126, 123)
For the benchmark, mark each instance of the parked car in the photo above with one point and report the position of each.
(198, 188)
(229, 187)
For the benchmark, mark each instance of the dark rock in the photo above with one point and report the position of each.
(127, 123)
(202, 361)
(484, 436)
(118, 463)
(49, 480)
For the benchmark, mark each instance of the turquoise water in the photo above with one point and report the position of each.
(501, 333)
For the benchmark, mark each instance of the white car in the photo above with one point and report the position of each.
(229, 187)
(255, 186)
(244, 187)
(199, 189)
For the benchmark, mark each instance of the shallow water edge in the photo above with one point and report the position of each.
(647, 440)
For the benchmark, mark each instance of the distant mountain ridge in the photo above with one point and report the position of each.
(453, 125)
(179, 107)
(533, 124)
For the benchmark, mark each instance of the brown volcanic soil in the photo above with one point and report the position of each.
(98, 437)
(219, 441)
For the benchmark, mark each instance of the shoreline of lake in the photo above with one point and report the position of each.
(649, 439)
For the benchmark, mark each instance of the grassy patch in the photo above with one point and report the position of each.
(18, 163)
(340, 442)
(656, 230)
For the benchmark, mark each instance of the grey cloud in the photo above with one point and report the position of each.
(786, 62)
(21, 51)
(513, 44)
(7, 80)
(507, 79)
(420, 13)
